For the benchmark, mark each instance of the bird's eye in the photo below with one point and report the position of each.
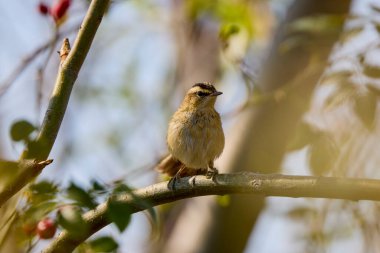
(202, 94)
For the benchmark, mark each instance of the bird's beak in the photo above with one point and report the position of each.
(216, 93)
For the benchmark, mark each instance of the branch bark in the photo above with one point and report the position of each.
(66, 78)
(39, 150)
(67, 75)
(241, 183)
(22, 172)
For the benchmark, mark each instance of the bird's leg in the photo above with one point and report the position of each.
(177, 176)
(211, 171)
(192, 181)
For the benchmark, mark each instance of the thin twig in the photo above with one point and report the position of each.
(243, 183)
(65, 50)
(26, 171)
(66, 78)
(39, 149)
(5, 85)
(41, 71)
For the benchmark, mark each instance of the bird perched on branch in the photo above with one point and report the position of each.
(195, 136)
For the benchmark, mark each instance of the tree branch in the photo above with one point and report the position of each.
(21, 173)
(247, 183)
(67, 75)
(39, 149)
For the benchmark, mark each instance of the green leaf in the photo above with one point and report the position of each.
(323, 154)
(44, 187)
(82, 197)
(38, 211)
(104, 244)
(42, 191)
(365, 108)
(21, 130)
(96, 186)
(70, 218)
(119, 213)
(152, 213)
(123, 188)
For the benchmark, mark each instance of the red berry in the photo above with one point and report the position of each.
(46, 228)
(43, 8)
(59, 9)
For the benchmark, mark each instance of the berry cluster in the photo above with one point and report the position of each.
(58, 10)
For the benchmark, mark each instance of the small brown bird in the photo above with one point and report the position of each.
(195, 136)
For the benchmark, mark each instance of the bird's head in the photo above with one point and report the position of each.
(201, 95)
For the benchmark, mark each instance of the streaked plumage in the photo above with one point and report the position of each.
(195, 136)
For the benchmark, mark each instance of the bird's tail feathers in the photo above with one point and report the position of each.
(169, 165)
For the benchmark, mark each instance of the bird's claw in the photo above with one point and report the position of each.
(192, 181)
(171, 183)
(211, 173)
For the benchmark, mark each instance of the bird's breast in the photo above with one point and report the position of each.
(196, 138)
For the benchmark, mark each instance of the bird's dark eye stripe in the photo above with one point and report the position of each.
(202, 93)
(205, 86)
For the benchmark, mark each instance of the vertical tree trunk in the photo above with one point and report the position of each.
(260, 138)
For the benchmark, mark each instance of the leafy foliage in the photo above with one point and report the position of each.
(42, 191)
(119, 213)
(233, 16)
(122, 188)
(21, 130)
(46, 199)
(41, 200)
(104, 244)
(80, 196)
(70, 218)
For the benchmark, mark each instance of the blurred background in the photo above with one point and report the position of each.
(300, 82)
